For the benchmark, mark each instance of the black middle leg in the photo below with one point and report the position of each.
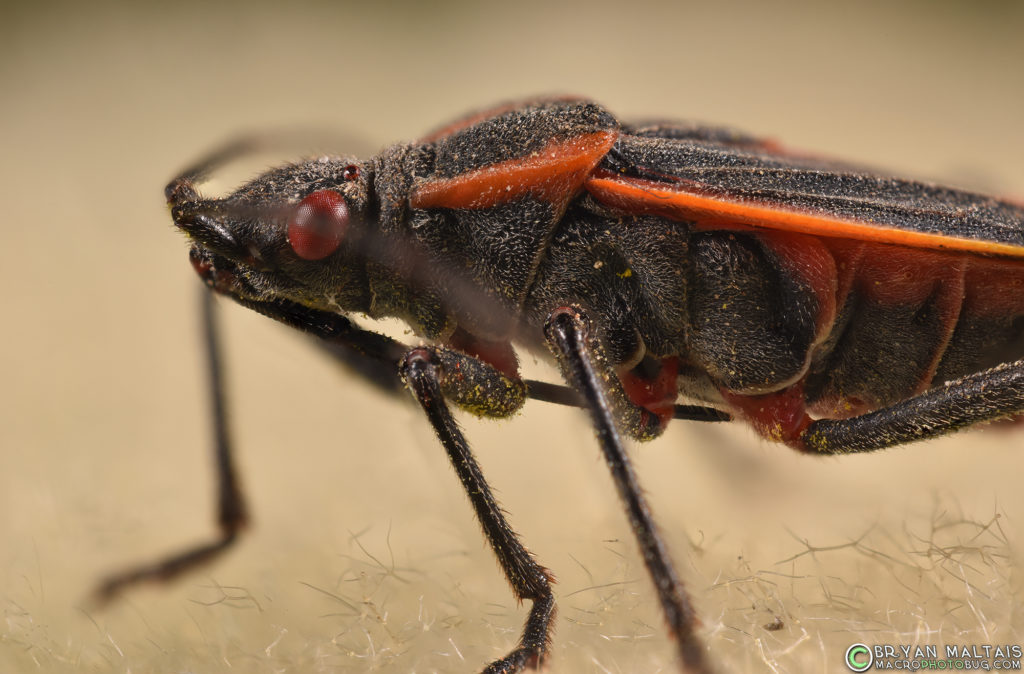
(567, 333)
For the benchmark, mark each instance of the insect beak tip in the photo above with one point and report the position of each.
(180, 191)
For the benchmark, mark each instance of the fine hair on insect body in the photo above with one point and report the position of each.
(654, 263)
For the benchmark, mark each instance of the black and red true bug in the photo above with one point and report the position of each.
(835, 309)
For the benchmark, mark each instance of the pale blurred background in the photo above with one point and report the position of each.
(364, 555)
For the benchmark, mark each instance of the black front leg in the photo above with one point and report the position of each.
(529, 580)
(231, 511)
(375, 357)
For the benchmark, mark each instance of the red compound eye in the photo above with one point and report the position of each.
(319, 224)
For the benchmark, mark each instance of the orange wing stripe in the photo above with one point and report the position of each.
(553, 173)
(654, 199)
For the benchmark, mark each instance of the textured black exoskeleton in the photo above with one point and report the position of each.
(835, 309)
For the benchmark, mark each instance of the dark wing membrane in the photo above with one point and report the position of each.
(696, 131)
(728, 184)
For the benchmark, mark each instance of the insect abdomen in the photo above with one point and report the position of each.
(857, 325)
(911, 319)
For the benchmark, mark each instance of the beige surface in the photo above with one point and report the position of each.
(364, 556)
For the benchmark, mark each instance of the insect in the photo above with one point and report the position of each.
(833, 308)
